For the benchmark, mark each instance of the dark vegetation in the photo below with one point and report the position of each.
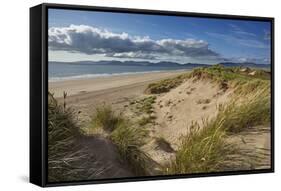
(163, 144)
(66, 160)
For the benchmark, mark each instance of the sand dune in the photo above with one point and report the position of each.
(193, 101)
(190, 102)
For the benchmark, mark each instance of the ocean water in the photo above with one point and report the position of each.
(65, 71)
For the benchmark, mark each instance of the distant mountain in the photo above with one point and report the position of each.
(133, 63)
(244, 64)
(166, 64)
(136, 63)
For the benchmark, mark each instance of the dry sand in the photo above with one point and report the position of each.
(192, 101)
(195, 101)
(85, 94)
(82, 86)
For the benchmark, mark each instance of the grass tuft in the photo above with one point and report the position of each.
(105, 118)
(166, 85)
(129, 141)
(202, 150)
(146, 120)
(145, 105)
(251, 111)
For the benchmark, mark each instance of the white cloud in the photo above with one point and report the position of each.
(90, 40)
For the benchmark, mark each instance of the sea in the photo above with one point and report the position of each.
(70, 71)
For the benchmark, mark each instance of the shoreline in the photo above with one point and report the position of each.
(91, 84)
(105, 75)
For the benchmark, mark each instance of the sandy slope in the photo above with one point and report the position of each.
(196, 100)
(190, 102)
(254, 145)
(176, 110)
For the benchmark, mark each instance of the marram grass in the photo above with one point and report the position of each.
(205, 148)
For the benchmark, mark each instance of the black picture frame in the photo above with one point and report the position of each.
(39, 90)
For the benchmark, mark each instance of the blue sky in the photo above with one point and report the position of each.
(87, 35)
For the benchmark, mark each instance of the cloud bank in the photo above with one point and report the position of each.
(90, 40)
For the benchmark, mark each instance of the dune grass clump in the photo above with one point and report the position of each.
(105, 118)
(219, 74)
(66, 160)
(145, 105)
(202, 150)
(163, 86)
(146, 120)
(243, 88)
(129, 141)
(253, 110)
(166, 85)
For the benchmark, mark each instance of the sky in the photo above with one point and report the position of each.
(75, 35)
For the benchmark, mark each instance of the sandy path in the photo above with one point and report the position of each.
(107, 157)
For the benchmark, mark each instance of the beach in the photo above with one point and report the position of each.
(85, 94)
